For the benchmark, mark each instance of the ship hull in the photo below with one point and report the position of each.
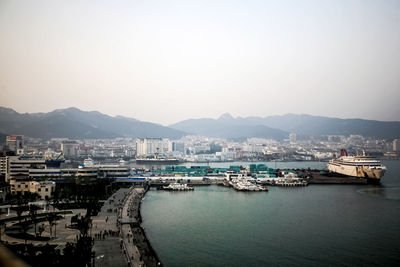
(357, 171)
(157, 161)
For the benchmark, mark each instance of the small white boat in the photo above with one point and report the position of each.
(244, 185)
(178, 187)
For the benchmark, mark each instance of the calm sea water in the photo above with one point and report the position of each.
(334, 225)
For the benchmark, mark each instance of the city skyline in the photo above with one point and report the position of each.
(166, 61)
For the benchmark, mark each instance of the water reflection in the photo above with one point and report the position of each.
(388, 193)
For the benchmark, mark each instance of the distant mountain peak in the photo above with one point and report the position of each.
(7, 110)
(64, 110)
(226, 116)
(73, 109)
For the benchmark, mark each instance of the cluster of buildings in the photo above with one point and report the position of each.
(36, 166)
(202, 149)
(149, 147)
(39, 173)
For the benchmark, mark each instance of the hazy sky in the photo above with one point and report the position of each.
(165, 61)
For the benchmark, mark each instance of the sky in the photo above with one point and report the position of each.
(166, 61)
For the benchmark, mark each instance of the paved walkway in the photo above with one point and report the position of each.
(130, 215)
(134, 236)
(107, 240)
(112, 229)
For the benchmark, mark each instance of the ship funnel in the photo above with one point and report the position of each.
(343, 153)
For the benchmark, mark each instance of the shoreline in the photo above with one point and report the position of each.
(146, 253)
(130, 246)
(153, 253)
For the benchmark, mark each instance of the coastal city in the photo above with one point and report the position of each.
(58, 176)
(199, 133)
(193, 148)
(30, 160)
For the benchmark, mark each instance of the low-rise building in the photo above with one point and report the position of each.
(88, 172)
(19, 166)
(113, 172)
(44, 189)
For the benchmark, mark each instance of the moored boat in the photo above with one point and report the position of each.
(157, 160)
(244, 185)
(357, 166)
(178, 187)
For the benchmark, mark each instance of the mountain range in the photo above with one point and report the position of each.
(74, 123)
(228, 127)
(280, 126)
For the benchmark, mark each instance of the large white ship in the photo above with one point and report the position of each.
(357, 166)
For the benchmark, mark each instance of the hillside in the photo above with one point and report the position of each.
(278, 127)
(228, 127)
(75, 123)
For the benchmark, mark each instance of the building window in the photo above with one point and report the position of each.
(39, 189)
(47, 190)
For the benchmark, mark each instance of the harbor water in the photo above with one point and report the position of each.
(334, 225)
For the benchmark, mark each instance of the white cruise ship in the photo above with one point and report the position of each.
(357, 166)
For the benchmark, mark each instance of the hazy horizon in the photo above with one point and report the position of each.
(167, 61)
(215, 117)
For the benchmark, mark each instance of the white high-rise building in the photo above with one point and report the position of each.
(69, 148)
(149, 146)
(15, 143)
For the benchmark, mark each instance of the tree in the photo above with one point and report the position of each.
(20, 207)
(33, 215)
(41, 229)
(84, 224)
(19, 210)
(1, 227)
(52, 219)
(24, 228)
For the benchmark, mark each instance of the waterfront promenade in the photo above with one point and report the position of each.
(105, 230)
(128, 219)
(119, 239)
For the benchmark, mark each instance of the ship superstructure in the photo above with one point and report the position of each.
(357, 166)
